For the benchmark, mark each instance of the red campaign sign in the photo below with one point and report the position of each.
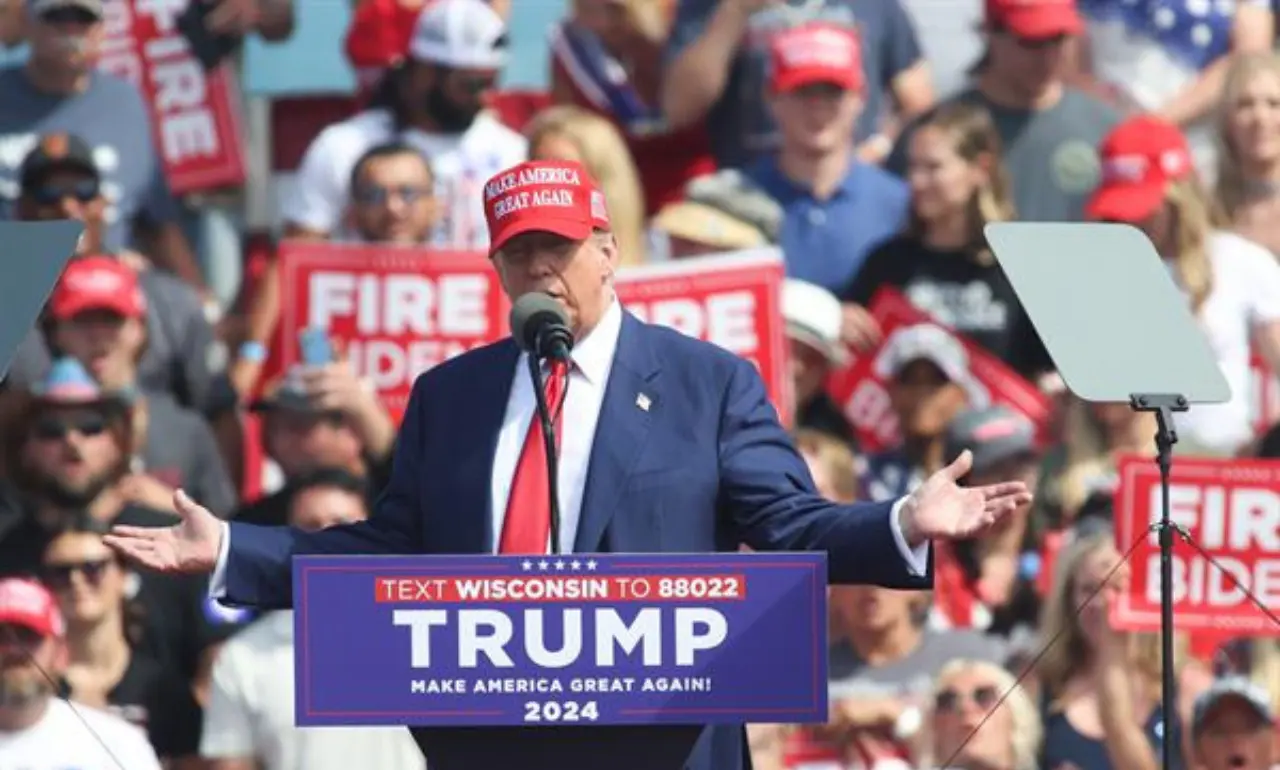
(863, 395)
(398, 311)
(1264, 393)
(195, 115)
(732, 300)
(1231, 508)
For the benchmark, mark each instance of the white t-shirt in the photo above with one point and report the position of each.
(1246, 292)
(251, 712)
(84, 738)
(462, 163)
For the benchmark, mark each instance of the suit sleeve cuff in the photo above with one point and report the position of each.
(218, 581)
(917, 558)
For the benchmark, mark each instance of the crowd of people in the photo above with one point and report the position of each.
(870, 141)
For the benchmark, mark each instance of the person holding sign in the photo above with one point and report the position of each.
(668, 444)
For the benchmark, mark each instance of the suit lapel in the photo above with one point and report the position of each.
(475, 444)
(630, 398)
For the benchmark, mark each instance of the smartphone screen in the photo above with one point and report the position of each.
(317, 350)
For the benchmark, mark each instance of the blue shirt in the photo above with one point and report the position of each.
(826, 241)
(113, 119)
(740, 126)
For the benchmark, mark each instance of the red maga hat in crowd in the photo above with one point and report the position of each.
(1035, 19)
(816, 53)
(1140, 157)
(550, 196)
(97, 283)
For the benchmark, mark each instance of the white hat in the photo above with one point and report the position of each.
(460, 33)
(932, 343)
(813, 316)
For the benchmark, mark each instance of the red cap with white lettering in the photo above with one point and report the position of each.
(1140, 158)
(98, 283)
(551, 196)
(28, 604)
(816, 53)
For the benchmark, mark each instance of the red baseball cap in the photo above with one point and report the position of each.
(1140, 157)
(28, 604)
(552, 196)
(816, 53)
(97, 283)
(1035, 19)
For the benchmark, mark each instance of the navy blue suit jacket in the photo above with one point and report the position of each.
(706, 467)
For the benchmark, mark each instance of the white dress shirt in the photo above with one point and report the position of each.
(592, 362)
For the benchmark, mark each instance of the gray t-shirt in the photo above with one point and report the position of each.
(182, 357)
(740, 126)
(848, 676)
(1051, 155)
(111, 117)
(182, 452)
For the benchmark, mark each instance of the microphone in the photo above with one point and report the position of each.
(540, 326)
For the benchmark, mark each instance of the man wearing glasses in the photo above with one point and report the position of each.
(59, 179)
(392, 197)
(37, 728)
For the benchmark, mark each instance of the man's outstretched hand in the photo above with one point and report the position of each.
(190, 546)
(941, 509)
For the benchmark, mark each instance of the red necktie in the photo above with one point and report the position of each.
(528, 521)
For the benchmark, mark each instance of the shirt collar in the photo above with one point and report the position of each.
(593, 354)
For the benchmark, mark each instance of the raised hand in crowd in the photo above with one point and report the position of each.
(336, 387)
(860, 330)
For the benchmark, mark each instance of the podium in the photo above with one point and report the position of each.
(625, 662)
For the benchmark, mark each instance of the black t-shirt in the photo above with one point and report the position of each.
(167, 608)
(958, 291)
(158, 700)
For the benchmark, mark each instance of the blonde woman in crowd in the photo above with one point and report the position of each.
(1100, 687)
(1084, 463)
(942, 262)
(1248, 188)
(574, 134)
(1232, 285)
(965, 692)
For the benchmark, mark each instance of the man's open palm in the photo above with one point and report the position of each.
(190, 546)
(941, 509)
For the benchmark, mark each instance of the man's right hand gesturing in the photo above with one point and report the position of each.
(190, 546)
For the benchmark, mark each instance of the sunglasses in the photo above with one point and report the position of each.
(70, 16)
(50, 195)
(58, 576)
(377, 195)
(52, 428)
(950, 700)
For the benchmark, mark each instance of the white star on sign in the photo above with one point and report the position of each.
(526, 565)
(575, 565)
(542, 565)
(591, 564)
(560, 565)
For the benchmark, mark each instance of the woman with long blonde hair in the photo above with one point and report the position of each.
(1232, 285)
(1100, 687)
(573, 134)
(1247, 194)
(941, 262)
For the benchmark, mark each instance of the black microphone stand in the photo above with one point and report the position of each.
(549, 444)
(1164, 405)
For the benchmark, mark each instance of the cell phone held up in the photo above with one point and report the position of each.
(315, 346)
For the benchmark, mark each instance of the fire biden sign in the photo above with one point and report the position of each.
(579, 639)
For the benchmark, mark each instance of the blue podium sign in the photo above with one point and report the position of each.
(585, 639)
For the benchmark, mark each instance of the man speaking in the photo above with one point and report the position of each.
(666, 443)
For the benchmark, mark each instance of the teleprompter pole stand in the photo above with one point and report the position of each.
(1163, 405)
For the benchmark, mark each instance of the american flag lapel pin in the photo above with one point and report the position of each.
(643, 402)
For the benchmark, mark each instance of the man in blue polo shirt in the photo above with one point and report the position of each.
(835, 208)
